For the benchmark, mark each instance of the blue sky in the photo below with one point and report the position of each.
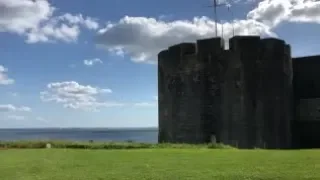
(80, 64)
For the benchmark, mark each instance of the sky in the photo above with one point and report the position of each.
(93, 63)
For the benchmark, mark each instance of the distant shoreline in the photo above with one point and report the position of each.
(149, 135)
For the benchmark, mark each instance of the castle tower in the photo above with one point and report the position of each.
(240, 90)
(306, 126)
(242, 96)
(211, 53)
(180, 86)
(164, 97)
(275, 92)
(258, 93)
(189, 78)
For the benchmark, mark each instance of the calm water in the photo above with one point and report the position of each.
(137, 135)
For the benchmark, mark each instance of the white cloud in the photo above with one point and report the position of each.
(91, 62)
(19, 16)
(16, 117)
(229, 2)
(41, 119)
(306, 12)
(75, 96)
(52, 32)
(145, 104)
(12, 108)
(142, 38)
(14, 94)
(273, 12)
(165, 17)
(35, 20)
(88, 22)
(24, 109)
(245, 1)
(4, 79)
(155, 98)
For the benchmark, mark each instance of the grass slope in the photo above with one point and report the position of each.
(103, 145)
(156, 164)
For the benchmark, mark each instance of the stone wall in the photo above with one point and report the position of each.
(306, 124)
(189, 79)
(275, 93)
(258, 93)
(242, 96)
(181, 89)
(210, 52)
(241, 90)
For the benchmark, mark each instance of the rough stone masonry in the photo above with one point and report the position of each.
(249, 96)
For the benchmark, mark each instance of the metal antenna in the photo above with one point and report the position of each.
(215, 5)
(232, 16)
(215, 16)
(222, 29)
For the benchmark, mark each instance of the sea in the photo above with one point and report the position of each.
(144, 135)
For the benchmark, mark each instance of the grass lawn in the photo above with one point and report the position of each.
(151, 164)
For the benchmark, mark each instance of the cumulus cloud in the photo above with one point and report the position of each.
(4, 79)
(20, 15)
(309, 11)
(270, 12)
(16, 117)
(91, 62)
(12, 108)
(36, 21)
(273, 12)
(142, 38)
(52, 32)
(76, 96)
(87, 22)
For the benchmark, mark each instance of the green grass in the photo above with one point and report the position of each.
(103, 145)
(158, 163)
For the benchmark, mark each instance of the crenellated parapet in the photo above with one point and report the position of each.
(180, 55)
(273, 53)
(252, 51)
(211, 46)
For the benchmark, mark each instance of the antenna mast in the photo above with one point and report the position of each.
(229, 9)
(222, 29)
(215, 16)
(215, 5)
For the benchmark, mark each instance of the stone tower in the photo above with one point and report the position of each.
(257, 103)
(241, 96)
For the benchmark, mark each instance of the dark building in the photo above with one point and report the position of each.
(252, 95)
(306, 84)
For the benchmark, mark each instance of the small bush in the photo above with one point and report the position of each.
(219, 146)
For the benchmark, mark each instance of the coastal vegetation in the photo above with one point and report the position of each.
(103, 145)
(158, 163)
